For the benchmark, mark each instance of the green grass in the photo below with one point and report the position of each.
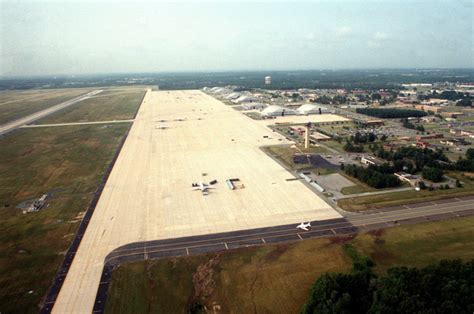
(110, 106)
(35, 101)
(277, 278)
(406, 197)
(66, 161)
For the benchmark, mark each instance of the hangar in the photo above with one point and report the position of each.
(275, 110)
(312, 109)
(254, 106)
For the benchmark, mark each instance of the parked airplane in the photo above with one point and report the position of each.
(203, 187)
(304, 226)
(161, 127)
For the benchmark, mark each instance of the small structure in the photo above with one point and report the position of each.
(369, 160)
(406, 177)
(268, 80)
(306, 134)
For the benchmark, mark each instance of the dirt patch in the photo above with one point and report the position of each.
(341, 239)
(203, 280)
(377, 232)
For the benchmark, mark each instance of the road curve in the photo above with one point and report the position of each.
(379, 219)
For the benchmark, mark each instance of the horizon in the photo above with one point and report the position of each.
(269, 71)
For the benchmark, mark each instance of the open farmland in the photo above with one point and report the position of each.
(239, 281)
(67, 162)
(17, 104)
(178, 138)
(108, 105)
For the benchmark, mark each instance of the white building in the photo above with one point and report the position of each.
(311, 109)
(254, 106)
(234, 95)
(275, 110)
(245, 99)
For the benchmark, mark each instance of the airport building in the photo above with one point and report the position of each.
(311, 109)
(275, 110)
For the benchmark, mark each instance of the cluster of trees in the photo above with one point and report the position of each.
(326, 100)
(466, 164)
(353, 148)
(407, 124)
(354, 143)
(413, 159)
(378, 177)
(445, 287)
(391, 113)
(449, 95)
(359, 138)
(432, 174)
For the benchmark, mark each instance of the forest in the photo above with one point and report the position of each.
(444, 287)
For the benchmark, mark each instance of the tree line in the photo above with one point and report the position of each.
(444, 287)
(391, 113)
(378, 177)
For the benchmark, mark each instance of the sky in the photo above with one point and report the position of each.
(89, 37)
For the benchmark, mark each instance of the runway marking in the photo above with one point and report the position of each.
(226, 247)
(299, 236)
(263, 240)
(187, 251)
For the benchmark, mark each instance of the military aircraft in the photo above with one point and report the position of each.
(304, 226)
(203, 187)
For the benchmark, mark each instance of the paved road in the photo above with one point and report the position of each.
(28, 126)
(42, 113)
(375, 219)
(374, 193)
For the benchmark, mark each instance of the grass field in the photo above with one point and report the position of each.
(276, 279)
(69, 163)
(17, 104)
(407, 197)
(113, 105)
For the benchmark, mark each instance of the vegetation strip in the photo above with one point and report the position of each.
(50, 298)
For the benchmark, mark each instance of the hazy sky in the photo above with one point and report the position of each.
(77, 37)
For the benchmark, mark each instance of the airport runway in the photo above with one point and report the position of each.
(29, 126)
(10, 126)
(377, 219)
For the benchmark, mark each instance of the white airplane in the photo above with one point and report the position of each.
(203, 187)
(304, 226)
(162, 126)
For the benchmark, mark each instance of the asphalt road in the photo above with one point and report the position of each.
(29, 126)
(376, 219)
(10, 126)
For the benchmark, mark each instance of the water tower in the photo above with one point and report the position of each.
(268, 80)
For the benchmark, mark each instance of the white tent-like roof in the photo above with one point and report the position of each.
(233, 95)
(311, 109)
(244, 99)
(254, 105)
(275, 110)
